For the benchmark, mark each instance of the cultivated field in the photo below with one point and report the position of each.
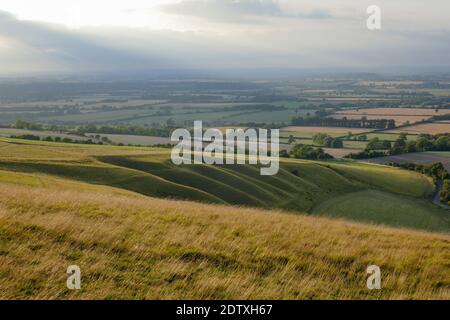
(399, 120)
(133, 139)
(400, 115)
(420, 158)
(390, 135)
(338, 153)
(428, 128)
(396, 111)
(308, 132)
(7, 132)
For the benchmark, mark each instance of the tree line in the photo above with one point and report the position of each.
(436, 171)
(320, 121)
(425, 142)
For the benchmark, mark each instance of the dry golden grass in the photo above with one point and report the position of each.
(143, 248)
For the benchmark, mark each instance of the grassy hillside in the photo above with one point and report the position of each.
(329, 188)
(130, 246)
(384, 208)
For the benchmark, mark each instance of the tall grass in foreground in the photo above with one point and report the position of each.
(138, 248)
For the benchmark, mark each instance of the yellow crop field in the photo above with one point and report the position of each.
(428, 128)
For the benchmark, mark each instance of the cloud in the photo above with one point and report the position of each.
(65, 49)
(287, 39)
(239, 11)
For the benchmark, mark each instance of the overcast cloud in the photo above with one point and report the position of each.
(243, 11)
(221, 34)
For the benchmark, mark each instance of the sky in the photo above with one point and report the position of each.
(121, 36)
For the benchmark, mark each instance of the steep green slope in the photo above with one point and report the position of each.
(379, 207)
(390, 179)
(119, 177)
(326, 188)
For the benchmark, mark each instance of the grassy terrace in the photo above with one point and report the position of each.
(300, 186)
(88, 205)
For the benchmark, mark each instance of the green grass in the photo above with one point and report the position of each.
(384, 208)
(347, 143)
(389, 136)
(355, 144)
(394, 180)
(310, 135)
(300, 186)
(88, 205)
(7, 132)
(182, 112)
(283, 116)
(439, 153)
(19, 179)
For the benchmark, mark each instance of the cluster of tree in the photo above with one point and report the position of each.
(301, 151)
(103, 139)
(272, 97)
(441, 117)
(377, 144)
(130, 130)
(254, 125)
(425, 142)
(445, 193)
(27, 137)
(360, 137)
(325, 140)
(366, 154)
(254, 107)
(436, 171)
(21, 124)
(163, 131)
(320, 121)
